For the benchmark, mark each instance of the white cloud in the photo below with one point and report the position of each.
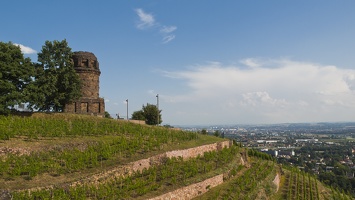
(250, 62)
(261, 99)
(107, 100)
(168, 38)
(25, 49)
(151, 92)
(271, 91)
(350, 80)
(145, 20)
(168, 29)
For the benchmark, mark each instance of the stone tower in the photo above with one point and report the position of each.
(87, 67)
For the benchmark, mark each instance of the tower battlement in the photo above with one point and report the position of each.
(87, 67)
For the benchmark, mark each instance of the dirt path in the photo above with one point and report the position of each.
(276, 181)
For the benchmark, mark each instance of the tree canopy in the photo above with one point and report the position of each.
(138, 115)
(149, 114)
(56, 83)
(107, 115)
(16, 73)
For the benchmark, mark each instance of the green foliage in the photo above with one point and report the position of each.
(127, 139)
(301, 185)
(15, 75)
(152, 114)
(168, 126)
(264, 156)
(203, 132)
(246, 185)
(173, 172)
(338, 177)
(61, 125)
(216, 133)
(107, 115)
(56, 83)
(149, 113)
(138, 115)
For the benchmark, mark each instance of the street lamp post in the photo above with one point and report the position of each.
(158, 108)
(127, 108)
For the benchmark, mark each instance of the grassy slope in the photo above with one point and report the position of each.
(246, 185)
(29, 136)
(75, 134)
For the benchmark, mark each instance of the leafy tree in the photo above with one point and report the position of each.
(57, 83)
(152, 114)
(216, 133)
(138, 115)
(107, 115)
(15, 76)
(204, 132)
(149, 113)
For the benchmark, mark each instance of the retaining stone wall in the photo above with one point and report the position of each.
(185, 154)
(139, 165)
(194, 152)
(193, 190)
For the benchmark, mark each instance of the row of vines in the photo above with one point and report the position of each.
(246, 185)
(175, 172)
(300, 185)
(127, 139)
(61, 125)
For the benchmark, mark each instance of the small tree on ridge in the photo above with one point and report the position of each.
(149, 114)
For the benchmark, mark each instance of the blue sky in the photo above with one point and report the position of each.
(211, 62)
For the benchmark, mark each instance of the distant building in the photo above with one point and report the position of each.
(266, 141)
(287, 153)
(329, 143)
(307, 140)
(270, 152)
(329, 169)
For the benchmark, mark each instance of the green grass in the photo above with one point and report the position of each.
(172, 174)
(245, 185)
(60, 148)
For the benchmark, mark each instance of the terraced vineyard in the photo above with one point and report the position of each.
(123, 140)
(246, 185)
(61, 156)
(301, 185)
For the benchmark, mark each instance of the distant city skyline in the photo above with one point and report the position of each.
(211, 62)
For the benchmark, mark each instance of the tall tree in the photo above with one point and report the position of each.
(57, 83)
(107, 115)
(138, 115)
(15, 76)
(149, 113)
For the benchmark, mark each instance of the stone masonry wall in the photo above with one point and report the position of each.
(139, 165)
(87, 106)
(90, 84)
(187, 192)
(192, 152)
(87, 68)
(193, 190)
(185, 154)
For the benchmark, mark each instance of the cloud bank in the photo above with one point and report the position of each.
(25, 49)
(265, 91)
(147, 20)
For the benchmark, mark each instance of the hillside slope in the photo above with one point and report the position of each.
(61, 156)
